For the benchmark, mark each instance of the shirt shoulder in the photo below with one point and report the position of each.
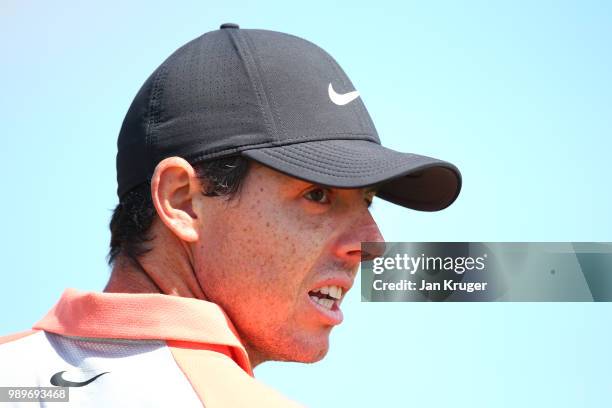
(132, 372)
(99, 372)
(220, 382)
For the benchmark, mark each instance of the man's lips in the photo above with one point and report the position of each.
(326, 297)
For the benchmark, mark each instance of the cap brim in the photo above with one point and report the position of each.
(410, 180)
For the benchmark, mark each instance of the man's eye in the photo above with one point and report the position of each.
(318, 195)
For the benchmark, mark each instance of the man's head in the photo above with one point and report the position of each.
(263, 252)
(305, 161)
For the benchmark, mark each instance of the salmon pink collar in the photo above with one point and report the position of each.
(144, 316)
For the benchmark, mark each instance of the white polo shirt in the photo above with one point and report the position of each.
(153, 350)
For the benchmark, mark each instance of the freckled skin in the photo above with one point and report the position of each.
(259, 254)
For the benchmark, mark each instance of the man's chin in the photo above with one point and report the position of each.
(302, 352)
(315, 359)
(299, 346)
(306, 356)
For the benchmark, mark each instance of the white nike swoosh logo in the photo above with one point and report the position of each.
(341, 99)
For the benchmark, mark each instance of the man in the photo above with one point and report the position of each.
(246, 165)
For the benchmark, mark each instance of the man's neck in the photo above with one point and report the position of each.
(128, 276)
(161, 272)
(166, 268)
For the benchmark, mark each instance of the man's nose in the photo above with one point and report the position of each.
(349, 246)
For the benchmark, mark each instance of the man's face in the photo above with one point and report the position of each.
(264, 255)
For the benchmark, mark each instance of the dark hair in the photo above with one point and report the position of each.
(133, 216)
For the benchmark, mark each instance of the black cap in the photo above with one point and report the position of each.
(276, 99)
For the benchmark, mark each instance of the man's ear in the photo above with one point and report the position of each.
(173, 188)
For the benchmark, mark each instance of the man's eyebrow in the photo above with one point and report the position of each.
(372, 189)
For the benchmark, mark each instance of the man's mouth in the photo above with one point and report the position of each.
(327, 296)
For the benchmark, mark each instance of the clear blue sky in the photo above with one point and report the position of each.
(518, 94)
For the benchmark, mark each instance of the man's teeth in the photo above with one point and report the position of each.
(326, 303)
(332, 291)
(327, 292)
